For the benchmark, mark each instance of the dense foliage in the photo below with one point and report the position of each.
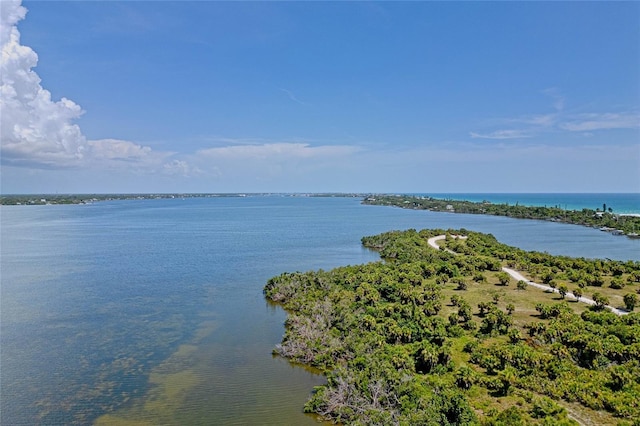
(605, 218)
(438, 338)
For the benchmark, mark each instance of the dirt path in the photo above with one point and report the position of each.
(433, 242)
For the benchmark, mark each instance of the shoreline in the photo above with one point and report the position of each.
(627, 224)
(623, 203)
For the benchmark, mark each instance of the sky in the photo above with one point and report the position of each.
(426, 97)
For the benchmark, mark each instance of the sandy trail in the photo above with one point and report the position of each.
(433, 242)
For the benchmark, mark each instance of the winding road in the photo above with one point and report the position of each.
(433, 242)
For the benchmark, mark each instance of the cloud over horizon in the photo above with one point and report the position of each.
(535, 125)
(175, 103)
(37, 131)
(41, 133)
(34, 129)
(282, 150)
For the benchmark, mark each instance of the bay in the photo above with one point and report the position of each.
(151, 311)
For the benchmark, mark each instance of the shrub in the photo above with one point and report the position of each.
(630, 301)
(601, 301)
(617, 284)
(503, 278)
(479, 277)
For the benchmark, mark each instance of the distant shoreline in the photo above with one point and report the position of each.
(57, 199)
(606, 220)
(624, 204)
(621, 202)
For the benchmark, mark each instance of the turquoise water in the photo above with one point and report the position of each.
(628, 203)
(152, 310)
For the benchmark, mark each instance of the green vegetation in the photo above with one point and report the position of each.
(604, 219)
(439, 337)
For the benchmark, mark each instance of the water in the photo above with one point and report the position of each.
(152, 310)
(620, 203)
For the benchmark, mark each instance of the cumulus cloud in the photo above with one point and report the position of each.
(36, 131)
(180, 168)
(114, 149)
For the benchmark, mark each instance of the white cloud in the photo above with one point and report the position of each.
(33, 128)
(279, 151)
(600, 121)
(180, 168)
(114, 149)
(561, 121)
(502, 134)
(36, 131)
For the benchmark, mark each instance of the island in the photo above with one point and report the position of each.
(437, 333)
(605, 219)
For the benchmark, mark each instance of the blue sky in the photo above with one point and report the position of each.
(108, 96)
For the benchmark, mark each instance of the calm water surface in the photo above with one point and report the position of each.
(152, 311)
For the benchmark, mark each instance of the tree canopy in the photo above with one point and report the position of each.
(396, 352)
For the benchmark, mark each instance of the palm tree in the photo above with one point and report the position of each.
(577, 293)
(601, 301)
(630, 301)
(562, 290)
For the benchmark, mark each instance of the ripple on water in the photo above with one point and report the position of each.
(212, 384)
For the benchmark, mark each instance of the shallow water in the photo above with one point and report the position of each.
(152, 311)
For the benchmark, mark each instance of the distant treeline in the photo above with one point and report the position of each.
(604, 219)
(44, 199)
